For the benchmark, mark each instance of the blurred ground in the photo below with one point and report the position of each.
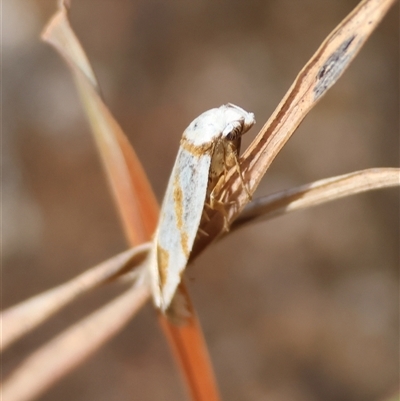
(304, 307)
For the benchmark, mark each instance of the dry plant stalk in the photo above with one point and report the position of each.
(138, 209)
(318, 75)
(135, 201)
(317, 193)
(24, 317)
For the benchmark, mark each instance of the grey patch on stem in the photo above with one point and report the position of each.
(329, 73)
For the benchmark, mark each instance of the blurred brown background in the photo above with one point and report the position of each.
(304, 307)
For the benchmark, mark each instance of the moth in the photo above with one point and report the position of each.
(209, 147)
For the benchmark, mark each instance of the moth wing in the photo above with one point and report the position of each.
(179, 221)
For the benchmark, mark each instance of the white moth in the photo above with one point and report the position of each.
(209, 147)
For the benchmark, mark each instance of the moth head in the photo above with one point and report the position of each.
(228, 121)
(238, 122)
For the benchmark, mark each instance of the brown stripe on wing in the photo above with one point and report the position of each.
(196, 150)
(162, 264)
(178, 205)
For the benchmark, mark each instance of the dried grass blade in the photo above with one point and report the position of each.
(66, 351)
(24, 317)
(319, 74)
(132, 191)
(125, 174)
(188, 345)
(317, 193)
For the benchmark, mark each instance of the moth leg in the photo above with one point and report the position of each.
(234, 156)
(202, 232)
(239, 170)
(216, 204)
(205, 215)
(205, 218)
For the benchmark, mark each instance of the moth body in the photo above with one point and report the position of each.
(209, 148)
